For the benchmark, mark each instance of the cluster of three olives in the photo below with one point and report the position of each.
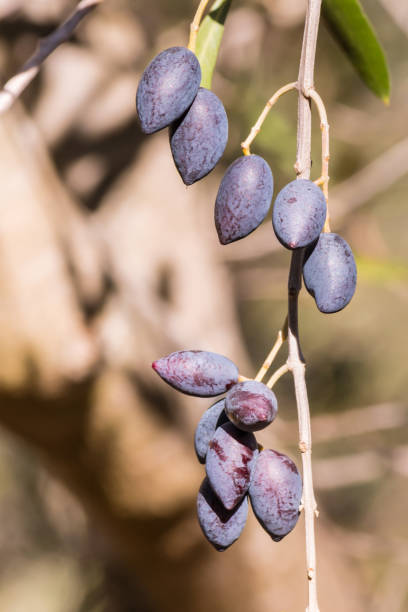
(299, 214)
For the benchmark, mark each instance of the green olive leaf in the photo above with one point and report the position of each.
(354, 32)
(209, 39)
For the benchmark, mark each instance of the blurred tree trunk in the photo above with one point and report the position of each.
(87, 302)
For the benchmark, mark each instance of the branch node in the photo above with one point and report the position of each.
(303, 446)
(306, 91)
(298, 169)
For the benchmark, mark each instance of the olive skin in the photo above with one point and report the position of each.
(243, 199)
(330, 273)
(199, 138)
(167, 88)
(299, 213)
(275, 493)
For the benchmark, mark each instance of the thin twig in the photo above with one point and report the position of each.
(324, 126)
(195, 25)
(256, 128)
(16, 85)
(295, 360)
(280, 339)
(277, 375)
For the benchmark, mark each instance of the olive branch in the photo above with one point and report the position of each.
(18, 83)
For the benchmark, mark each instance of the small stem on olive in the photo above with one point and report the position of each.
(243, 378)
(195, 25)
(324, 126)
(256, 128)
(277, 375)
(280, 339)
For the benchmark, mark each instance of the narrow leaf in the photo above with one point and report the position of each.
(354, 32)
(209, 39)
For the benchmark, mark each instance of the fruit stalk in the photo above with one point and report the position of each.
(195, 25)
(280, 339)
(257, 127)
(295, 360)
(324, 126)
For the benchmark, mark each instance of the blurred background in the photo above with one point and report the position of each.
(108, 262)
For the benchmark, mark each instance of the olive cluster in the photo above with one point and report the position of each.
(299, 214)
(169, 95)
(237, 468)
